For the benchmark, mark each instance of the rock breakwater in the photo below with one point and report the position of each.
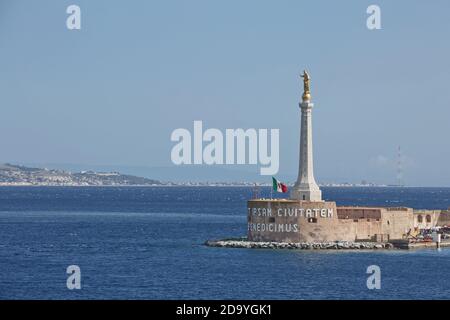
(340, 245)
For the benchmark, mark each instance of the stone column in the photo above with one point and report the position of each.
(306, 187)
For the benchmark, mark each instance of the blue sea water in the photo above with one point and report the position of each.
(147, 243)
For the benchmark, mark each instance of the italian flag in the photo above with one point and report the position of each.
(278, 186)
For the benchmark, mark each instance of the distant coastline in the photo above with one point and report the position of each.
(21, 176)
(15, 175)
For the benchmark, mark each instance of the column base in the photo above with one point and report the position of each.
(307, 195)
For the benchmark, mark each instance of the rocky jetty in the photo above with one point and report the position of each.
(341, 245)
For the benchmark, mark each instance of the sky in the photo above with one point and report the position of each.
(110, 95)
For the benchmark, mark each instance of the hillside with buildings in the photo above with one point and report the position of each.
(14, 175)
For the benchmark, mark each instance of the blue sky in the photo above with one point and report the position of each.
(111, 93)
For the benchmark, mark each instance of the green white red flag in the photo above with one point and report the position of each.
(279, 186)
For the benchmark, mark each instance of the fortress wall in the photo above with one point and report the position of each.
(367, 229)
(375, 223)
(366, 221)
(396, 222)
(308, 221)
(296, 221)
(358, 213)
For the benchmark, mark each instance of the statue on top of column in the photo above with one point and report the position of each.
(306, 93)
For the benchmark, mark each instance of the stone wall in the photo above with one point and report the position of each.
(366, 221)
(296, 221)
(396, 222)
(285, 220)
(358, 213)
(378, 223)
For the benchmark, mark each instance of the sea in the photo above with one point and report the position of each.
(148, 243)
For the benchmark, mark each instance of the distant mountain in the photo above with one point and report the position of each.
(14, 175)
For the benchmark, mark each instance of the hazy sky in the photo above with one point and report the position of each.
(112, 92)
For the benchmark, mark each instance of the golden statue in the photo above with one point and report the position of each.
(306, 93)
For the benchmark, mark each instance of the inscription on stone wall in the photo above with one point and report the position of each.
(292, 212)
(273, 227)
(257, 212)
